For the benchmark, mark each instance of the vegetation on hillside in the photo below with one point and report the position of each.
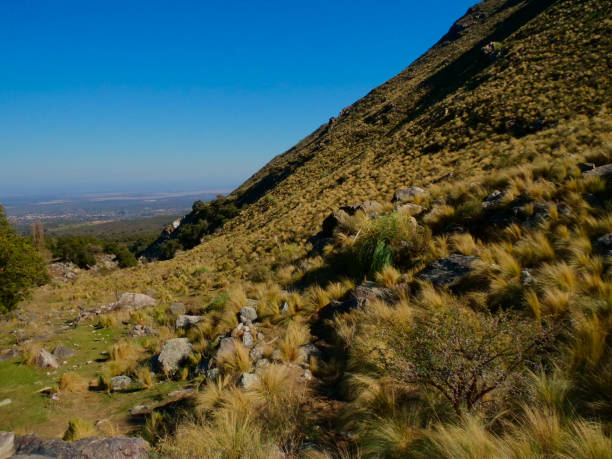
(361, 349)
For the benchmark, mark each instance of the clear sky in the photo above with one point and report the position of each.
(159, 95)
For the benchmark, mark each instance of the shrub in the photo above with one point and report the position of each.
(78, 429)
(21, 267)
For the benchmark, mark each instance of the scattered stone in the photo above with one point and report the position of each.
(248, 314)
(130, 301)
(91, 448)
(5, 402)
(178, 309)
(307, 376)
(605, 243)
(448, 271)
(285, 308)
(141, 410)
(367, 291)
(247, 339)
(180, 394)
(172, 353)
(227, 345)
(263, 363)
(248, 380)
(527, 280)
(410, 209)
(305, 351)
(257, 352)
(46, 360)
(121, 382)
(142, 330)
(63, 352)
(407, 194)
(7, 444)
(183, 321)
(277, 355)
(212, 374)
(493, 199)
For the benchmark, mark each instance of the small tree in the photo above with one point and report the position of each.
(21, 267)
(461, 354)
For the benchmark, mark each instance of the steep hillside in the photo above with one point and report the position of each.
(426, 275)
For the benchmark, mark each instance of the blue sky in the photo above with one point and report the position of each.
(167, 95)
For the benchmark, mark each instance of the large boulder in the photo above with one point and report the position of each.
(46, 360)
(90, 448)
(407, 194)
(63, 352)
(129, 301)
(172, 353)
(7, 444)
(120, 383)
(183, 321)
(448, 271)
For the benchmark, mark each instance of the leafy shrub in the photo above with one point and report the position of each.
(80, 250)
(21, 267)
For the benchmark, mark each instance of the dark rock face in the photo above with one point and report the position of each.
(87, 448)
(448, 271)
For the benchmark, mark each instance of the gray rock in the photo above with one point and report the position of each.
(247, 339)
(212, 374)
(601, 171)
(140, 410)
(187, 321)
(248, 314)
(256, 353)
(527, 280)
(90, 448)
(46, 360)
(410, 209)
(406, 194)
(448, 271)
(130, 301)
(227, 345)
(248, 380)
(305, 351)
(285, 308)
(121, 382)
(368, 291)
(5, 402)
(585, 167)
(263, 363)
(10, 354)
(277, 355)
(7, 444)
(142, 330)
(177, 309)
(63, 352)
(493, 199)
(172, 353)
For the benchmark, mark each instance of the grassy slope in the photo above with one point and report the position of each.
(452, 111)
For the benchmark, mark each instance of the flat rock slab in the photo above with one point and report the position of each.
(90, 448)
(448, 271)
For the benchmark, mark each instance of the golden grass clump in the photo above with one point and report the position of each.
(72, 382)
(78, 429)
(389, 276)
(296, 335)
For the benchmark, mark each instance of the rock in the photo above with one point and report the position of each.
(142, 330)
(527, 280)
(305, 351)
(367, 291)
(448, 271)
(46, 360)
(256, 353)
(187, 321)
(227, 345)
(5, 402)
(178, 309)
(63, 352)
(10, 354)
(585, 167)
(90, 448)
(277, 355)
(285, 308)
(248, 380)
(605, 243)
(493, 199)
(248, 314)
(247, 339)
(407, 194)
(601, 171)
(130, 301)
(7, 444)
(121, 382)
(492, 50)
(141, 410)
(340, 216)
(263, 363)
(212, 374)
(172, 353)
(307, 375)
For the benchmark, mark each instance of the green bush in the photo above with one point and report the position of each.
(21, 267)
(125, 258)
(79, 250)
(169, 248)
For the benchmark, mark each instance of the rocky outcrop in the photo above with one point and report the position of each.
(448, 271)
(131, 301)
(172, 353)
(89, 448)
